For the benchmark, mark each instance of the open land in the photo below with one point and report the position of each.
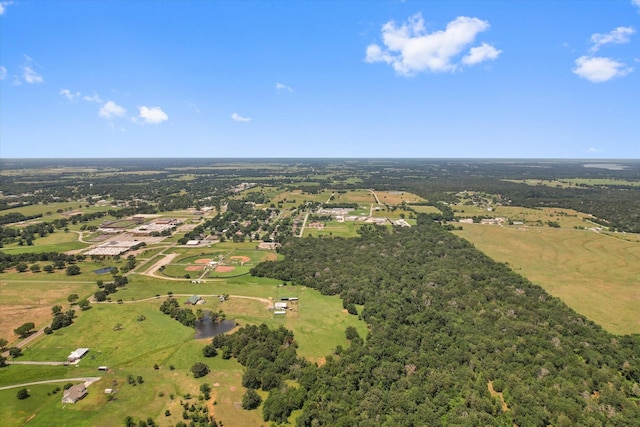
(585, 260)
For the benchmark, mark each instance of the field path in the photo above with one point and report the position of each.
(61, 380)
(151, 271)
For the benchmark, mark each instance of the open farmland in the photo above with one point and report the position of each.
(595, 274)
(371, 300)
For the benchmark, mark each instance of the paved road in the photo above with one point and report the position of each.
(61, 380)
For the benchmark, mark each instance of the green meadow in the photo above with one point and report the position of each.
(117, 338)
(595, 274)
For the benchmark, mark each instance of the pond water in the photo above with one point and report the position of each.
(205, 328)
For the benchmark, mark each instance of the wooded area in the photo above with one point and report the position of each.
(447, 325)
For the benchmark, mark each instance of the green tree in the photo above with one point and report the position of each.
(251, 399)
(48, 268)
(15, 352)
(72, 298)
(72, 270)
(199, 369)
(3, 343)
(23, 393)
(25, 329)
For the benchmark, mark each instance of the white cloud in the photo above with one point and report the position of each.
(152, 115)
(409, 48)
(238, 118)
(3, 72)
(636, 3)
(598, 69)
(481, 53)
(110, 109)
(93, 98)
(282, 86)
(617, 36)
(69, 95)
(3, 6)
(29, 75)
(594, 150)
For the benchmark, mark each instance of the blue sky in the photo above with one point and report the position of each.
(506, 79)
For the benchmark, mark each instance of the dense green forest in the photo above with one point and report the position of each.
(446, 323)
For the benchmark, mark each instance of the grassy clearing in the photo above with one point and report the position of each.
(397, 197)
(595, 274)
(54, 242)
(576, 182)
(566, 218)
(334, 229)
(32, 302)
(318, 326)
(53, 211)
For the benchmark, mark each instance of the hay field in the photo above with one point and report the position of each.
(595, 274)
(32, 302)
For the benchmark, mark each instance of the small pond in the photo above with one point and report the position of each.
(205, 328)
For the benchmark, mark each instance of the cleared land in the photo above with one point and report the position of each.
(32, 302)
(597, 275)
(139, 345)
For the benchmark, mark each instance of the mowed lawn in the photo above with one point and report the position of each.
(595, 274)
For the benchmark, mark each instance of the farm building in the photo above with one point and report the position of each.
(193, 243)
(193, 300)
(74, 393)
(280, 306)
(270, 246)
(77, 354)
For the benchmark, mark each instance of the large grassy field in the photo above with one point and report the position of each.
(54, 242)
(595, 274)
(318, 323)
(22, 302)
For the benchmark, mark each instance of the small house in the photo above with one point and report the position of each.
(280, 306)
(74, 393)
(193, 300)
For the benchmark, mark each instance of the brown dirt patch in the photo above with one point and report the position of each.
(321, 361)
(12, 316)
(499, 395)
(203, 261)
(194, 267)
(241, 258)
(271, 256)
(224, 268)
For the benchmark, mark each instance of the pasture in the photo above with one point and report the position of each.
(137, 346)
(566, 218)
(595, 274)
(31, 302)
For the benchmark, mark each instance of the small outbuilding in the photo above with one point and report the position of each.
(77, 354)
